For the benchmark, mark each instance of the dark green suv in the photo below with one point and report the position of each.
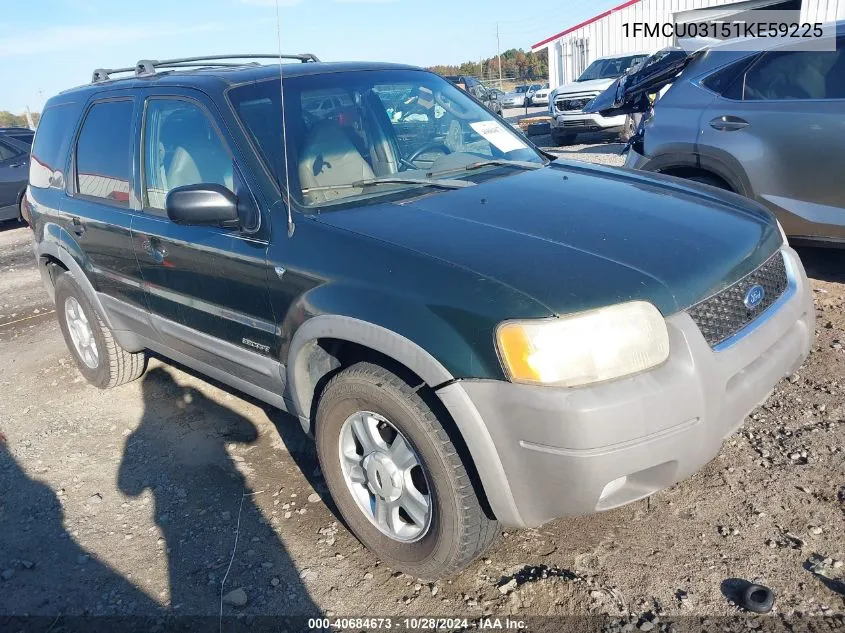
(475, 334)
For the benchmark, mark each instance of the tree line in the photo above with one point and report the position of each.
(7, 119)
(516, 64)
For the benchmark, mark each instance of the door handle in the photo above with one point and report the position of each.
(728, 123)
(77, 227)
(16, 165)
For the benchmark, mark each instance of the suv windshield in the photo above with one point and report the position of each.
(609, 68)
(360, 135)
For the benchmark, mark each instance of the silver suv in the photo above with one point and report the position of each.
(768, 125)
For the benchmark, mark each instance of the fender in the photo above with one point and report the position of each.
(55, 246)
(369, 335)
(727, 168)
(403, 350)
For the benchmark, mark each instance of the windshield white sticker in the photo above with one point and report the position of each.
(495, 134)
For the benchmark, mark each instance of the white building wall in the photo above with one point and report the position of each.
(823, 10)
(606, 36)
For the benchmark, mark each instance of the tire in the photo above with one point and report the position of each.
(458, 530)
(563, 139)
(115, 366)
(629, 130)
(21, 219)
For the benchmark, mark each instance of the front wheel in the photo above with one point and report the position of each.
(629, 131)
(396, 476)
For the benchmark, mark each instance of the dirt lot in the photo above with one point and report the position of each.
(165, 494)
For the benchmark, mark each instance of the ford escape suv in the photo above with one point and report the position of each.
(466, 355)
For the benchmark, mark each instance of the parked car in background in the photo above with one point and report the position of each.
(15, 145)
(519, 97)
(478, 90)
(413, 308)
(23, 134)
(566, 103)
(541, 96)
(767, 125)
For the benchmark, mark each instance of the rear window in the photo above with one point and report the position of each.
(49, 151)
(103, 152)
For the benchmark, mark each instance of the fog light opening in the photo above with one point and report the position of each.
(613, 486)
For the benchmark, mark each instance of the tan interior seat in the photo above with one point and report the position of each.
(328, 158)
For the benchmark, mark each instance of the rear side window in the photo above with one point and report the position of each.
(798, 75)
(103, 152)
(49, 151)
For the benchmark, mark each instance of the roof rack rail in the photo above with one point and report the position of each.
(147, 67)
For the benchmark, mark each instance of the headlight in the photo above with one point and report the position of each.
(782, 233)
(585, 347)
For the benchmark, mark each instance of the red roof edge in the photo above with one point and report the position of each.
(584, 23)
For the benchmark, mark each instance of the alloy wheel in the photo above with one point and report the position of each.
(81, 333)
(385, 476)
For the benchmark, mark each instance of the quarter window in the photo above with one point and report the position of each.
(49, 151)
(727, 81)
(103, 152)
(181, 147)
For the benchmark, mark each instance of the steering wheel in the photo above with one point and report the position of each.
(428, 147)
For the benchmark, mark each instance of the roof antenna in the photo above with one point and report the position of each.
(286, 180)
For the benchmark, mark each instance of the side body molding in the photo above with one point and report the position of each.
(451, 394)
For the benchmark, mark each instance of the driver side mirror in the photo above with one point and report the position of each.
(204, 204)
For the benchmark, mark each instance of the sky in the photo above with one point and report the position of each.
(49, 45)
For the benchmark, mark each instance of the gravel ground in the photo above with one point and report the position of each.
(132, 501)
(595, 147)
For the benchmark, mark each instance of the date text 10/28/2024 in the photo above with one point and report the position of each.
(415, 624)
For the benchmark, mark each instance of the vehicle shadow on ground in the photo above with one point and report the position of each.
(824, 264)
(45, 574)
(213, 529)
(11, 225)
(614, 148)
(299, 446)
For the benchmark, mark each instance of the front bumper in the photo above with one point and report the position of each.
(635, 160)
(565, 452)
(579, 122)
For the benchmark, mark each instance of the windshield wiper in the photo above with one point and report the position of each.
(394, 180)
(492, 162)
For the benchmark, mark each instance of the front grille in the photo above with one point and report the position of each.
(573, 105)
(724, 314)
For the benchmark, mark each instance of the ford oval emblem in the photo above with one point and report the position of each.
(754, 297)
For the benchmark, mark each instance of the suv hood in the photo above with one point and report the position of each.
(629, 93)
(584, 86)
(575, 237)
